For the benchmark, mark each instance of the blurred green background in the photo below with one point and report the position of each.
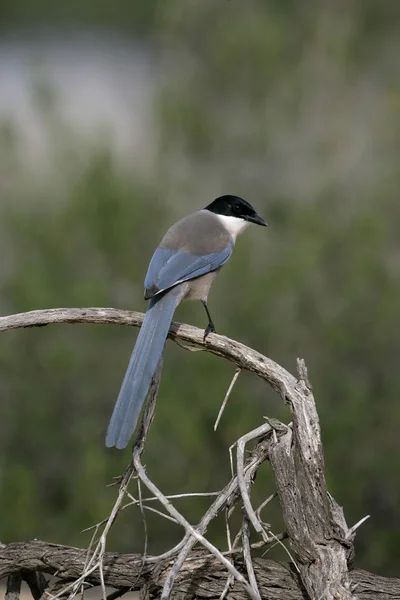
(118, 118)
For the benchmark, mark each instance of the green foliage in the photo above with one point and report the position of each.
(261, 103)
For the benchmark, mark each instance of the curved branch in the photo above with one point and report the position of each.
(314, 522)
(243, 356)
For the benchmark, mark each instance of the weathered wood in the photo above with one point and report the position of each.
(317, 530)
(315, 524)
(219, 345)
(204, 578)
(13, 589)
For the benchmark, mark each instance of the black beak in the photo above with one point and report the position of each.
(256, 219)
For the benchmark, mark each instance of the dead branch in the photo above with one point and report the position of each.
(275, 581)
(321, 541)
(315, 523)
(244, 357)
(13, 590)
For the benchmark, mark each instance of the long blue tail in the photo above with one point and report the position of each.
(142, 365)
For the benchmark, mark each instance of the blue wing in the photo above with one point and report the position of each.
(169, 267)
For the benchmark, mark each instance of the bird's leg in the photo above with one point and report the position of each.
(210, 327)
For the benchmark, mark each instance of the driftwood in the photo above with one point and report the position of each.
(320, 540)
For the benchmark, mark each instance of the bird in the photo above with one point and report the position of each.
(184, 266)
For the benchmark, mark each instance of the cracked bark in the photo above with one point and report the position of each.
(203, 578)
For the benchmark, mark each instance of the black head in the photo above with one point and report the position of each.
(233, 206)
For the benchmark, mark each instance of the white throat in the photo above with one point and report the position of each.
(234, 225)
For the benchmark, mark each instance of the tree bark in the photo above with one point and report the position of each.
(203, 578)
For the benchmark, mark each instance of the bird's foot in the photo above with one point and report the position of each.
(210, 329)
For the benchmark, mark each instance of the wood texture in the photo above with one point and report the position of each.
(317, 530)
(204, 578)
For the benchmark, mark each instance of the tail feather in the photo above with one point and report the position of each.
(142, 365)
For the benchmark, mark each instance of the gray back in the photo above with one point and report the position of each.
(199, 233)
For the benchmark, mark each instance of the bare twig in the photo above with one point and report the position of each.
(150, 509)
(228, 585)
(88, 554)
(138, 446)
(228, 529)
(278, 540)
(103, 585)
(231, 447)
(135, 502)
(243, 484)
(96, 560)
(189, 529)
(188, 495)
(264, 504)
(228, 393)
(352, 529)
(52, 589)
(247, 555)
(169, 553)
(146, 537)
(226, 497)
(230, 579)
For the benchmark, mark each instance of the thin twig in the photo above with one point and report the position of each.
(356, 526)
(238, 537)
(230, 579)
(138, 446)
(139, 486)
(239, 549)
(88, 556)
(135, 502)
(228, 393)
(264, 504)
(241, 444)
(96, 560)
(53, 589)
(228, 529)
(256, 458)
(102, 584)
(159, 512)
(149, 508)
(169, 553)
(189, 529)
(247, 555)
(278, 540)
(253, 546)
(188, 495)
(229, 582)
(231, 459)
